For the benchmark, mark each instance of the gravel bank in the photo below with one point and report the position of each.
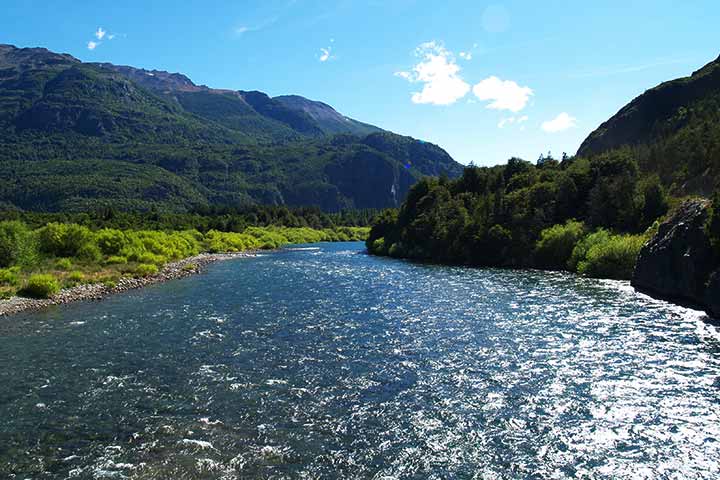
(98, 291)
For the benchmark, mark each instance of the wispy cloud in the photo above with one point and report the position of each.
(326, 54)
(513, 120)
(622, 69)
(92, 45)
(247, 27)
(100, 33)
(559, 124)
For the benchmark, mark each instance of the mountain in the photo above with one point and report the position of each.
(77, 135)
(326, 117)
(672, 130)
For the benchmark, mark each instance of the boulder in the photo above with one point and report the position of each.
(677, 263)
(712, 295)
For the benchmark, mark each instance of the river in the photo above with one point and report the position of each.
(324, 362)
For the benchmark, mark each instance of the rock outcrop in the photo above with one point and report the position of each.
(679, 263)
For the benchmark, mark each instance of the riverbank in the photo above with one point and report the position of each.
(97, 291)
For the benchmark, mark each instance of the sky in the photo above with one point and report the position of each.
(485, 80)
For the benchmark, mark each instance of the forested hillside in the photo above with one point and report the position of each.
(590, 213)
(672, 130)
(77, 136)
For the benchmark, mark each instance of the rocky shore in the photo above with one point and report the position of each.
(97, 291)
(679, 263)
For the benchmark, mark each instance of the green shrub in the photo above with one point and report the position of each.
(377, 247)
(68, 240)
(614, 258)
(13, 236)
(116, 260)
(146, 270)
(63, 264)
(110, 241)
(396, 250)
(556, 244)
(582, 247)
(40, 286)
(9, 276)
(75, 277)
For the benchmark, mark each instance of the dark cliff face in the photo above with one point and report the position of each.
(679, 263)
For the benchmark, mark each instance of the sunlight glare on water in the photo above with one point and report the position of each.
(328, 363)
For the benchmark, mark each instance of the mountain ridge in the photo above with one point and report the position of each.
(672, 129)
(150, 138)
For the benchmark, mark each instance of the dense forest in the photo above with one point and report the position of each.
(224, 219)
(575, 214)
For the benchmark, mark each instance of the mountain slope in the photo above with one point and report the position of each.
(326, 117)
(75, 136)
(672, 129)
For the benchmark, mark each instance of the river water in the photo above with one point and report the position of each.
(324, 362)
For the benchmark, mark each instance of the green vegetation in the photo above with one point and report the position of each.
(60, 255)
(557, 243)
(581, 215)
(78, 137)
(672, 130)
(40, 286)
(610, 256)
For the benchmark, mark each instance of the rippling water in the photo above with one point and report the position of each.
(328, 363)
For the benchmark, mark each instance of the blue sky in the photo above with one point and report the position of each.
(484, 80)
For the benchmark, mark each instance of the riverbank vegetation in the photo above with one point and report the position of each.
(37, 262)
(589, 217)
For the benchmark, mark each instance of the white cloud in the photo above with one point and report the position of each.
(92, 45)
(503, 94)
(524, 118)
(465, 55)
(242, 29)
(100, 33)
(111, 36)
(439, 73)
(560, 123)
(326, 54)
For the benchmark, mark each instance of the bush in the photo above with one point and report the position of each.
(75, 277)
(110, 242)
(614, 258)
(556, 244)
(377, 246)
(9, 276)
(68, 240)
(116, 260)
(146, 270)
(582, 247)
(63, 264)
(40, 286)
(13, 235)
